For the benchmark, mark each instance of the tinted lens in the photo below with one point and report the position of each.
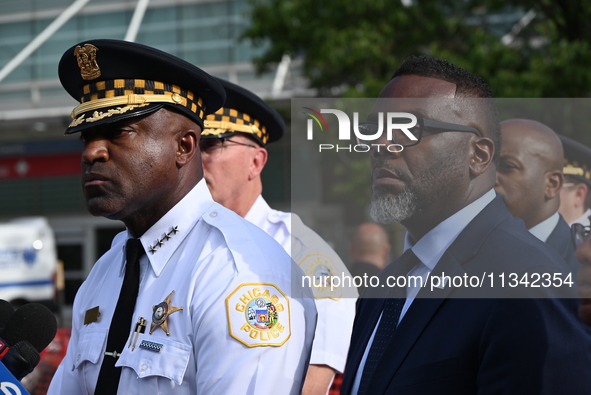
(210, 145)
(367, 129)
(406, 137)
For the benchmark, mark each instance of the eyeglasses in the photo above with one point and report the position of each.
(213, 145)
(423, 125)
(580, 233)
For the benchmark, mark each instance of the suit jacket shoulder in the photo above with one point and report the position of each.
(561, 240)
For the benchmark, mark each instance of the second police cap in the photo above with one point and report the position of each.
(244, 112)
(115, 80)
(577, 160)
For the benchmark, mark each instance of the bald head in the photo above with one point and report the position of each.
(370, 244)
(529, 177)
(535, 138)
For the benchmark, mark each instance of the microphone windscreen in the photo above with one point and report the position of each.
(32, 322)
(6, 310)
(21, 359)
(28, 352)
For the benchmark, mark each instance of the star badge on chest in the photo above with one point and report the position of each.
(161, 312)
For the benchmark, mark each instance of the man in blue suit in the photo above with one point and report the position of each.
(530, 179)
(454, 339)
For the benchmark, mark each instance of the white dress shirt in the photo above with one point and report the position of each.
(243, 329)
(544, 229)
(336, 308)
(429, 249)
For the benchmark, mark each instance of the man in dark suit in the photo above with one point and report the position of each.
(453, 339)
(529, 179)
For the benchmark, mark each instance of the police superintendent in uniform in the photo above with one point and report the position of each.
(234, 153)
(214, 312)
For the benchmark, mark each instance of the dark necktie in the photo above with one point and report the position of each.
(108, 380)
(390, 315)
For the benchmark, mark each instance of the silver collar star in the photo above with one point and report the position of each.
(167, 236)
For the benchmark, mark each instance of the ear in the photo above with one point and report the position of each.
(554, 180)
(482, 150)
(258, 162)
(581, 194)
(187, 147)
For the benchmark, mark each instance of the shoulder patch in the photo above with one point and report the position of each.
(322, 273)
(258, 315)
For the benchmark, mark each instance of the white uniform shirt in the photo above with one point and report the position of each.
(336, 307)
(241, 331)
(583, 219)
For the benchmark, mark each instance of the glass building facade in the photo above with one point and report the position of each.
(40, 167)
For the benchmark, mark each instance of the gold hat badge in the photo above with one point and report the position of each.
(86, 57)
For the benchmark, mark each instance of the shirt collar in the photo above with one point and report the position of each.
(431, 247)
(258, 212)
(164, 237)
(583, 219)
(543, 230)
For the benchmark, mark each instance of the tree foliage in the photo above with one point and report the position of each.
(351, 48)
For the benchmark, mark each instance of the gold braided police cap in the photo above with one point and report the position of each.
(577, 160)
(246, 113)
(114, 80)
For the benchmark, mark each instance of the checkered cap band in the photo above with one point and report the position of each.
(125, 87)
(574, 168)
(229, 115)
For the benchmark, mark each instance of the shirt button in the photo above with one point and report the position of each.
(213, 214)
(78, 357)
(143, 367)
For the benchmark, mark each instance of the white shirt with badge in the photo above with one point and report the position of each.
(336, 306)
(236, 324)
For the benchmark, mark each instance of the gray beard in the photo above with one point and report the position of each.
(386, 209)
(434, 183)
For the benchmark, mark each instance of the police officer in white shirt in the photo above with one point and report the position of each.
(213, 310)
(234, 155)
(575, 198)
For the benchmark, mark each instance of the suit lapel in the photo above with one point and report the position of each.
(560, 237)
(366, 318)
(412, 325)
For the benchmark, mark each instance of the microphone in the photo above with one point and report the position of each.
(26, 333)
(6, 311)
(32, 322)
(21, 359)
